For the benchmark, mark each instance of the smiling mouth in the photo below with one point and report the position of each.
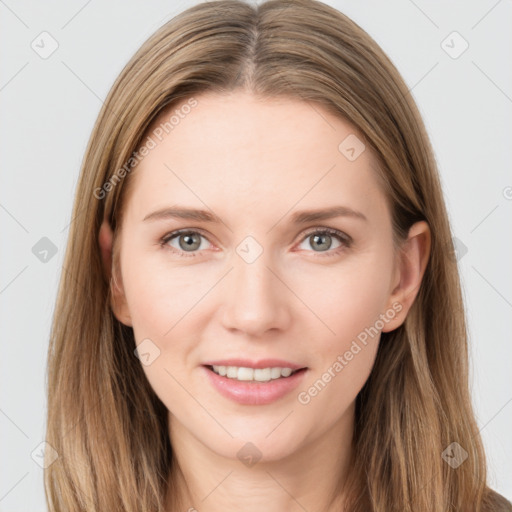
(242, 373)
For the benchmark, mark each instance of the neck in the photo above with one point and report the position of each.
(309, 478)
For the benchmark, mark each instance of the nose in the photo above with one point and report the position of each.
(255, 300)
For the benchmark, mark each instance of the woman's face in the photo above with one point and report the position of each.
(253, 278)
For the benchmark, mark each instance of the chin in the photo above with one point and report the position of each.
(262, 444)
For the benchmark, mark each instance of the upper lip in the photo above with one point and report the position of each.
(262, 363)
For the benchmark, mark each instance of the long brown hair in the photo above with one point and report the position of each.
(106, 424)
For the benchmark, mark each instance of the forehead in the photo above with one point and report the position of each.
(241, 150)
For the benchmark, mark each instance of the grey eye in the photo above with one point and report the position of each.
(321, 241)
(188, 242)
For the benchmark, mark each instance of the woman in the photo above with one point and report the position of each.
(261, 305)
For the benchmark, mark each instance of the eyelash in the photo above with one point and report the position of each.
(345, 240)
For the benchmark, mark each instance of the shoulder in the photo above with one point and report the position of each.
(495, 502)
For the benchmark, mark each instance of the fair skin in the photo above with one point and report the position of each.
(254, 163)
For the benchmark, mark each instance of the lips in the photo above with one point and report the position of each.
(253, 392)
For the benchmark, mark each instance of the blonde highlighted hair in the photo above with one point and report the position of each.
(104, 420)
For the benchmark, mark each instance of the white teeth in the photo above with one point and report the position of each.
(245, 374)
(231, 372)
(258, 374)
(262, 374)
(275, 373)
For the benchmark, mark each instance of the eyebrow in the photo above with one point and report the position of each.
(301, 217)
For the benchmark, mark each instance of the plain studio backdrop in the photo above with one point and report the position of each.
(60, 58)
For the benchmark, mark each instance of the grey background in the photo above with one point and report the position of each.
(48, 110)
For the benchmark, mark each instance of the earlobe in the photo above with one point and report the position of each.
(118, 300)
(413, 260)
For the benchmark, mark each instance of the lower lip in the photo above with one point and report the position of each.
(253, 392)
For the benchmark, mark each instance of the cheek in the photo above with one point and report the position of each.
(348, 297)
(350, 302)
(160, 295)
(164, 300)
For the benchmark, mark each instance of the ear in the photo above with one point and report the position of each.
(409, 270)
(118, 299)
